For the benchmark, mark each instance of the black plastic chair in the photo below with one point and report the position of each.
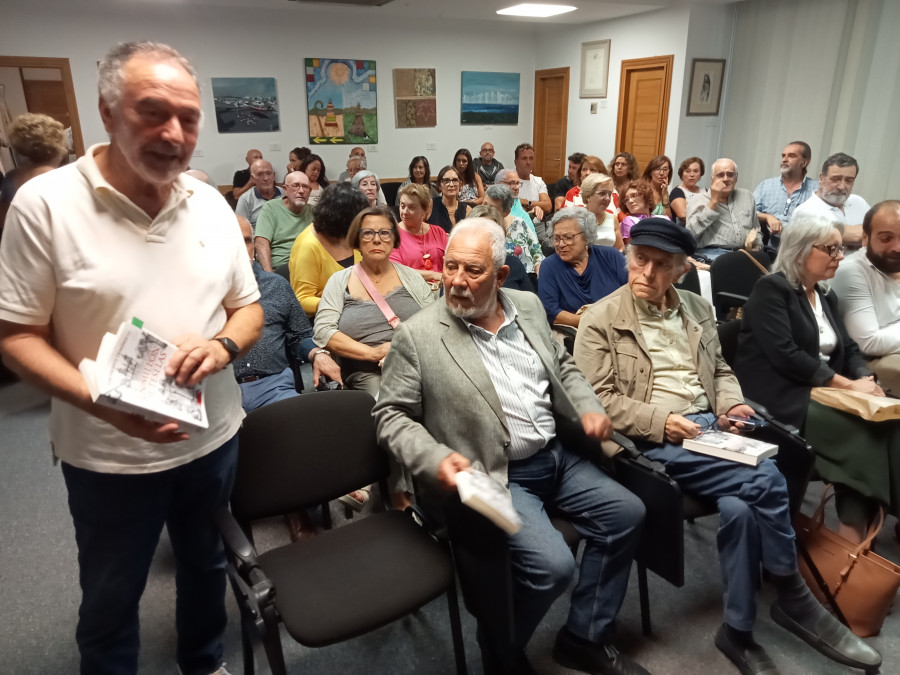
(690, 281)
(732, 277)
(299, 453)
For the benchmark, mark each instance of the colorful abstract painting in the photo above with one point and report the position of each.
(341, 100)
(490, 98)
(414, 97)
(245, 104)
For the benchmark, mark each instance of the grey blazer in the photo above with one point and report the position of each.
(436, 395)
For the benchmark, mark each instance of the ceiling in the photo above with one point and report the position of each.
(588, 11)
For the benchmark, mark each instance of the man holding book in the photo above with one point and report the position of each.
(478, 378)
(654, 359)
(122, 233)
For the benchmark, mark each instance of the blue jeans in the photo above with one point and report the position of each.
(713, 252)
(755, 520)
(118, 519)
(269, 389)
(607, 516)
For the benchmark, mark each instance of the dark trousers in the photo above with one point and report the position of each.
(118, 519)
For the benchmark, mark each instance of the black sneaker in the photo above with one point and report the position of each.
(598, 659)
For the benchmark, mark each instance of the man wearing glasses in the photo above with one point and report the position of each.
(777, 197)
(282, 220)
(725, 222)
(653, 357)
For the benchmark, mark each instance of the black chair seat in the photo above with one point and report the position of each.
(326, 596)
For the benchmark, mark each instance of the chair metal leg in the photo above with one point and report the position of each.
(644, 595)
(459, 652)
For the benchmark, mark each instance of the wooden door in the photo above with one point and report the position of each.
(644, 91)
(551, 115)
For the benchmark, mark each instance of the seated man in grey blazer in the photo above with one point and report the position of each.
(478, 377)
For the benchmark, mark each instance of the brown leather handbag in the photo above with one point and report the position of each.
(863, 584)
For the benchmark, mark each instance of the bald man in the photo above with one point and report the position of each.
(243, 179)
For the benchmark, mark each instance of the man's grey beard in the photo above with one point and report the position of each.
(475, 311)
(833, 198)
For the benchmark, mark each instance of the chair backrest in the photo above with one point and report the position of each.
(284, 270)
(690, 281)
(305, 451)
(728, 338)
(736, 273)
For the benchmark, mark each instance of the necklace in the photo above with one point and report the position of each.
(427, 262)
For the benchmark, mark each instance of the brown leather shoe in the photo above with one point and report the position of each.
(300, 525)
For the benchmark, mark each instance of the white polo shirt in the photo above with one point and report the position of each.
(532, 188)
(80, 256)
(853, 213)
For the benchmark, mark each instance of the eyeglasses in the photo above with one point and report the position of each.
(787, 205)
(603, 195)
(369, 235)
(512, 183)
(833, 250)
(661, 169)
(726, 174)
(564, 239)
(449, 181)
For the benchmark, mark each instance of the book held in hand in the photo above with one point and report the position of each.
(129, 374)
(480, 492)
(726, 445)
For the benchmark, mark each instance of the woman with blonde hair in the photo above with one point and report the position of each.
(39, 144)
(597, 190)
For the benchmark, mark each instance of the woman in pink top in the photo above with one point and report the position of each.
(422, 245)
(636, 201)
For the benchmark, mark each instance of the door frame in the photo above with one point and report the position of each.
(540, 114)
(628, 67)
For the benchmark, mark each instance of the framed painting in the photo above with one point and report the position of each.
(245, 104)
(414, 98)
(341, 97)
(705, 94)
(489, 98)
(594, 69)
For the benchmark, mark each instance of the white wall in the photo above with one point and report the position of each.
(242, 43)
(658, 33)
(709, 37)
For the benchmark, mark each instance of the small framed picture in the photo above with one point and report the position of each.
(706, 87)
(594, 69)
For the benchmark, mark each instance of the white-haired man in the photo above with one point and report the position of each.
(165, 248)
(251, 202)
(723, 223)
(478, 378)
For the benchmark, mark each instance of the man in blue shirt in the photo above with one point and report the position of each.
(777, 197)
(264, 373)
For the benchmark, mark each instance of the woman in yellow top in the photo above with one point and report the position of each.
(322, 250)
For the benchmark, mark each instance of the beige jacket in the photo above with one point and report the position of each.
(612, 354)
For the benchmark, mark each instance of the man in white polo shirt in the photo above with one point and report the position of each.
(868, 287)
(120, 234)
(533, 194)
(834, 199)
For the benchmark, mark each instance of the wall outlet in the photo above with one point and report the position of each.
(593, 108)
(198, 152)
(275, 147)
(431, 146)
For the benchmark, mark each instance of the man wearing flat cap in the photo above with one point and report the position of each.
(653, 357)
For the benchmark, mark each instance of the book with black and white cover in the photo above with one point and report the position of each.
(129, 374)
(480, 492)
(735, 447)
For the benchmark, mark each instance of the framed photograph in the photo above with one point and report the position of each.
(706, 87)
(245, 104)
(594, 69)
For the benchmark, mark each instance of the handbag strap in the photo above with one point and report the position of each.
(385, 308)
(762, 268)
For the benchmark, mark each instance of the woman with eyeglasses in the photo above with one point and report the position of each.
(580, 272)
(421, 246)
(447, 210)
(590, 164)
(350, 323)
(658, 173)
(596, 193)
(471, 188)
(792, 339)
